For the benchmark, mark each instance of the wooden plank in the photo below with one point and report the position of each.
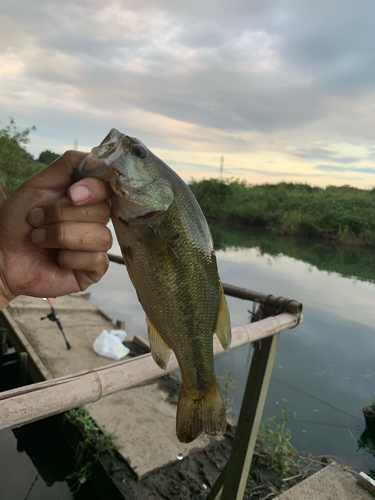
(22, 374)
(120, 324)
(366, 482)
(36, 401)
(238, 467)
(36, 368)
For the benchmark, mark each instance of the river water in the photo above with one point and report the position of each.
(325, 368)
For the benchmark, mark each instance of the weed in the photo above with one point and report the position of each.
(276, 438)
(228, 389)
(95, 443)
(93, 436)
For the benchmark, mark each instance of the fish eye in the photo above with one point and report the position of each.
(139, 151)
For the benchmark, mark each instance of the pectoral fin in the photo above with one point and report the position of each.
(159, 349)
(222, 328)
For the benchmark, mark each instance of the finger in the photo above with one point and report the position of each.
(89, 191)
(91, 265)
(82, 236)
(63, 211)
(58, 174)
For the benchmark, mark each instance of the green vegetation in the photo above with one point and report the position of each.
(276, 438)
(16, 164)
(47, 157)
(95, 443)
(228, 388)
(343, 214)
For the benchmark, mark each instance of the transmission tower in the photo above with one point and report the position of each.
(221, 169)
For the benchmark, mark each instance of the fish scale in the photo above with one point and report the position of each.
(168, 251)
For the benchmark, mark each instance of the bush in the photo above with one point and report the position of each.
(342, 213)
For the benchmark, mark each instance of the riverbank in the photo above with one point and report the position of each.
(343, 214)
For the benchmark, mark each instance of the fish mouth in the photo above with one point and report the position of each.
(149, 215)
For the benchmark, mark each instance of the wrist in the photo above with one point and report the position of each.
(4, 300)
(5, 295)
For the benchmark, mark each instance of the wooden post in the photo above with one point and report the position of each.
(237, 470)
(22, 373)
(120, 324)
(217, 488)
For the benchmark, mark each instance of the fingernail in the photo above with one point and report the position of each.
(39, 235)
(79, 194)
(36, 216)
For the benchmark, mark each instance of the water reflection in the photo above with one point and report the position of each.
(347, 261)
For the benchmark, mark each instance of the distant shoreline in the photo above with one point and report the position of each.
(339, 214)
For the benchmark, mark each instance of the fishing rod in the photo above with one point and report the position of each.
(52, 316)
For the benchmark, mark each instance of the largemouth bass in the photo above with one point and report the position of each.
(169, 255)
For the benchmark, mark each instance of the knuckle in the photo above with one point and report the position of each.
(105, 210)
(108, 240)
(68, 156)
(62, 260)
(54, 212)
(100, 259)
(60, 234)
(87, 213)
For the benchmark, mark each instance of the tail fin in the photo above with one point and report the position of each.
(200, 411)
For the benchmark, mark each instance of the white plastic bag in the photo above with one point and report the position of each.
(110, 344)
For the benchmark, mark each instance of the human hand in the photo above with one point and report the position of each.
(53, 236)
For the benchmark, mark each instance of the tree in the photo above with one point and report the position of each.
(16, 164)
(46, 157)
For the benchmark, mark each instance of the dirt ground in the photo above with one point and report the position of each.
(194, 475)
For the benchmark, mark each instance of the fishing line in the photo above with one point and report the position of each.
(52, 316)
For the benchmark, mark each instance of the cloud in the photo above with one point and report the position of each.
(271, 173)
(192, 166)
(220, 76)
(335, 168)
(325, 154)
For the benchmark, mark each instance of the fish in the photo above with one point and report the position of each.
(168, 251)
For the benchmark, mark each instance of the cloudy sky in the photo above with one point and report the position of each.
(283, 89)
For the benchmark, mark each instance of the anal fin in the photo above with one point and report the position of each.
(159, 349)
(222, 328)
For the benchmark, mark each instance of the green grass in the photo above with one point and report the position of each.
(343, 214)
(95, 443)
(276, 437)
